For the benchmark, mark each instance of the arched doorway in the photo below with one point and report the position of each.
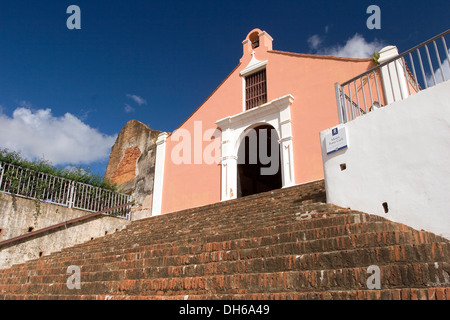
(259, 160)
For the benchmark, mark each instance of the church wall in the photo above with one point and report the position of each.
(191, 184)
(309, 79)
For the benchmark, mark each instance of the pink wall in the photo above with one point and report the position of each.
(192, 185)
(310, 79)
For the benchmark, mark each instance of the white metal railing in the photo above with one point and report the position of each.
(60, 191)
(398, 78)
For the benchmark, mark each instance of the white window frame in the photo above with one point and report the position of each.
(253, 67)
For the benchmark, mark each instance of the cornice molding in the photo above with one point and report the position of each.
(257, 113)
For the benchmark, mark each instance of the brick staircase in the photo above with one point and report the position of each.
(284, 244)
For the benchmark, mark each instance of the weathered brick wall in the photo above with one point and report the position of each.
(126, 170)
(132, 165)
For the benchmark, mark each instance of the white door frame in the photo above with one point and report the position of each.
(275, 113)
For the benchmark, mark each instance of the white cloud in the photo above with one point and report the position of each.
(128, 108)
(61, 140)
(25, 104)
(355, 47)
(438, 73)
(84, 114)
(314, 41)
(139, 100)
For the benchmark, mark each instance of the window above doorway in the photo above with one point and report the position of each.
(254, 83)
(255, 89)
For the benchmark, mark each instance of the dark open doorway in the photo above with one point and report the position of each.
(258, 162)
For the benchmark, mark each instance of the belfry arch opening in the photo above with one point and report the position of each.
(259, 160)
(254, 39)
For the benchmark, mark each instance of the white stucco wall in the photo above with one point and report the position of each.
(159, 173)
(399, 155)
(18, 214)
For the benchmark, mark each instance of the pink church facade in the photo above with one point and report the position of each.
(291, 95)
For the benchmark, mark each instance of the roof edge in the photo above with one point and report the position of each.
(206, 100)
(317, 56)
(303, 55)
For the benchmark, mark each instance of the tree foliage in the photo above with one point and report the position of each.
(77, 174)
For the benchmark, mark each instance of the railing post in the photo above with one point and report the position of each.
(71, 193)
(1, 175)
(68, 191)
(128, 208)
(337, 89)
(396, 78)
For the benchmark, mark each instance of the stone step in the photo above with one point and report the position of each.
(118, 240)
(122, 244)
(439, 293)
(232, 207)
(282, 244)
(314, 234)
(242, 240)
(251, 246)
(419, 275)
(206, 224)
(242, 248)
(182, 267)
(187, 230)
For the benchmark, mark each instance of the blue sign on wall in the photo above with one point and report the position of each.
(337, 140)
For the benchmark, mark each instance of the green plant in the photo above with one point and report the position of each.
(77, 174)
(375, 57)
(40, 180)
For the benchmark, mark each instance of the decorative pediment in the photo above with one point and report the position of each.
(254, 65)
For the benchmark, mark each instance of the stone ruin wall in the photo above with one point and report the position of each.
(132, 165)
(20, 216)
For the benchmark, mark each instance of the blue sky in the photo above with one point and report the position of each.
(66, 94)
